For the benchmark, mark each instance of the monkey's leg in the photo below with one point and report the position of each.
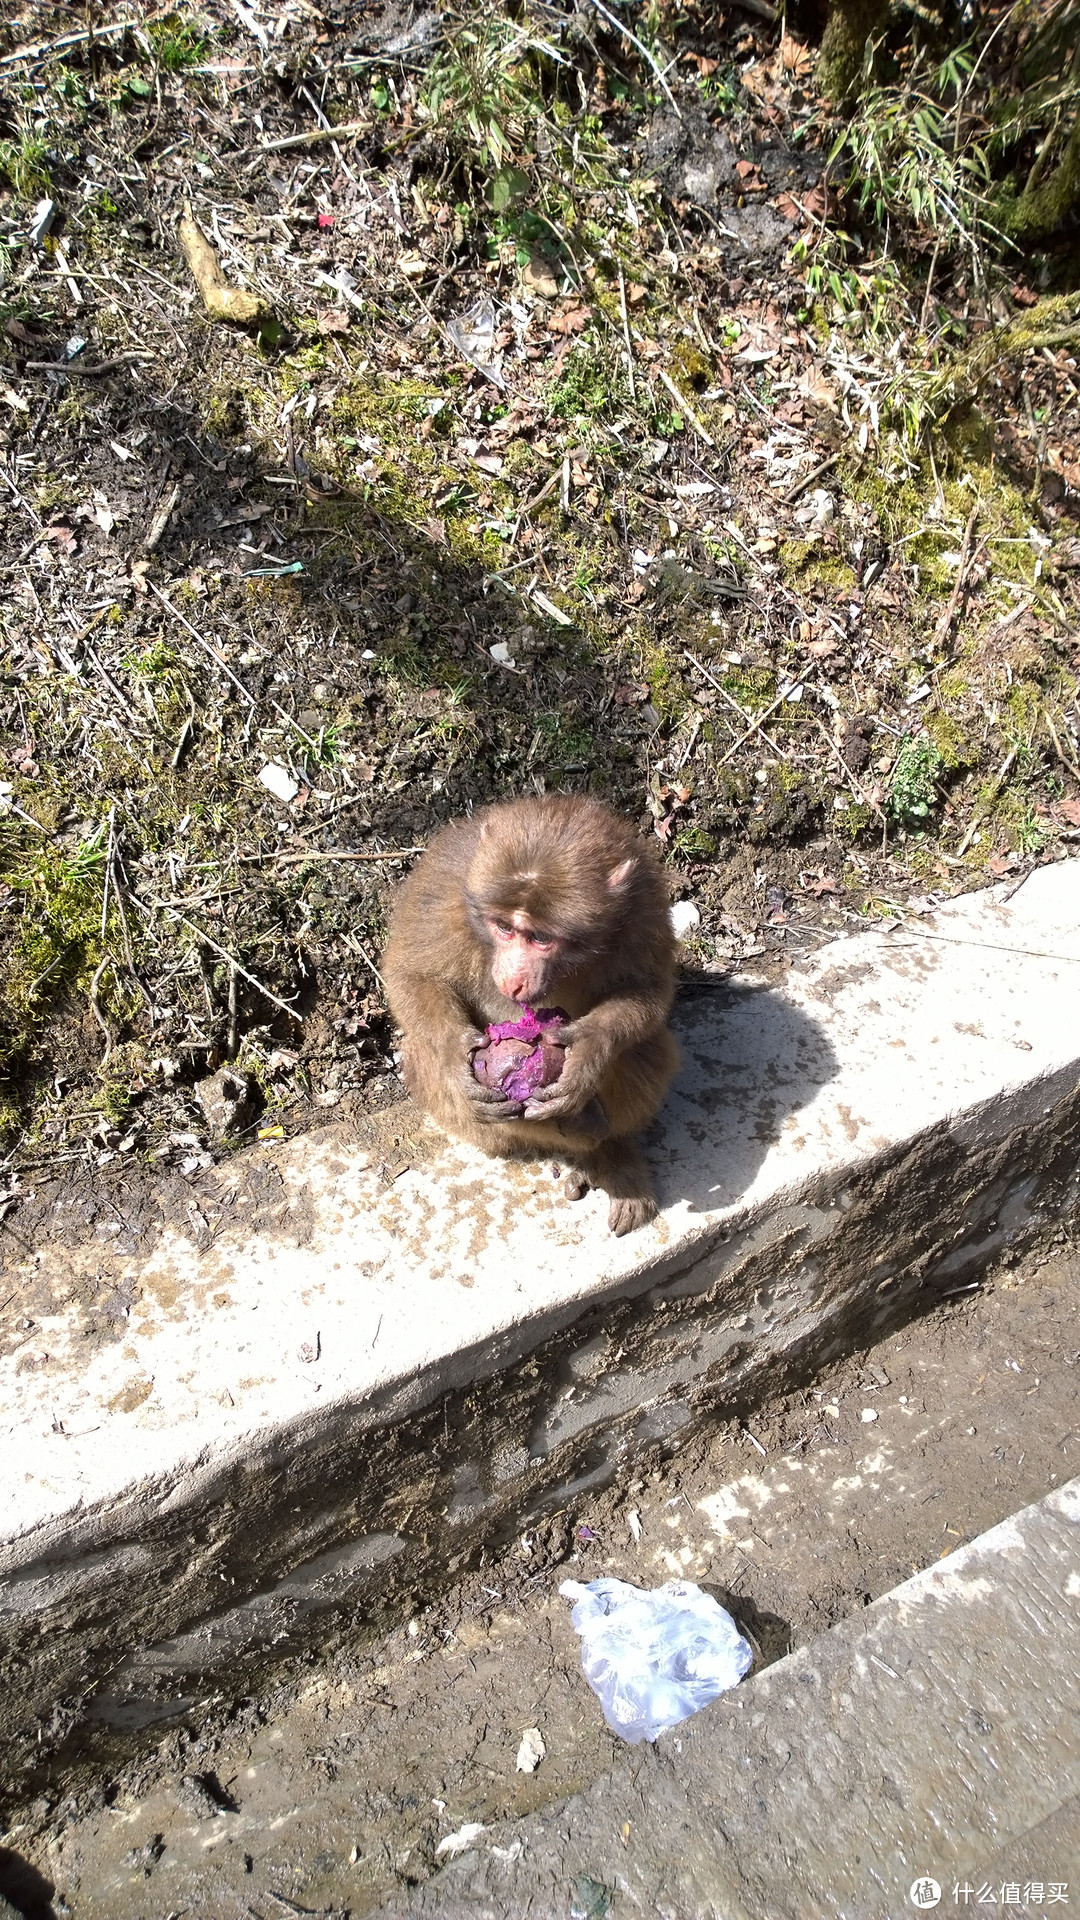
(618, 1169)
(637, 1080)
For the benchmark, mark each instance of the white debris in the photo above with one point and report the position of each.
(867, 1416)
(531, 1751)
(818, 512)
(684, 918)
(461, 1841)
(41, 220)
(501, 654)
(279, 781)
(633, 1521)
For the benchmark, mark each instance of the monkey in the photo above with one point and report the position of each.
(553, 901)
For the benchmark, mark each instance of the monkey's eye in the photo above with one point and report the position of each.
(544, 940)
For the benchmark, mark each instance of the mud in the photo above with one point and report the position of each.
(331, 1792)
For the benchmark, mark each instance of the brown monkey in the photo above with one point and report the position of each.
(549, 902)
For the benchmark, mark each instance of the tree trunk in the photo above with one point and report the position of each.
(840, 56)
(1042, 208)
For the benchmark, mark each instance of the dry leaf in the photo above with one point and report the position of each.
(569, 320)
(332, 320)
(221, 301)
(794, 57)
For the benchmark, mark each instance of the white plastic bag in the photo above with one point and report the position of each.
(654, 1657)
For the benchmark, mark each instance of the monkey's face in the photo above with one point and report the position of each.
(525, 959)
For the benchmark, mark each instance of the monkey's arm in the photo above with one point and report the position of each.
(440, 1044)
(615, 1025)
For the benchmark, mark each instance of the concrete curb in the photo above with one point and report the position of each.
(931, 1738)
(295, 1427)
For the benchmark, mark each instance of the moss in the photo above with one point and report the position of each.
(57, 943)
(666, 689)
(954, 749)
(1023, 706)
(693, 843)
(690, 366)
(814, 567)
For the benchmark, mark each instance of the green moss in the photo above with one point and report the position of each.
(814, 567)
(954, 749)
(690, 366)
(693, 843)
(666, 689)
(1023, 707)
(57, 942)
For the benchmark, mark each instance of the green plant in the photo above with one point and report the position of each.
(22, 162)
(911, 159)
(475, 89)
(916, 775)
(178, 42)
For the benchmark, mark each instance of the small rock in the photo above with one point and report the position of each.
(531, 1750)
(684, 918)
(459, 1842)
(225, 1100)
(279, 781)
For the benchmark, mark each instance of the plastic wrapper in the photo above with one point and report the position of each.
(654, 1657)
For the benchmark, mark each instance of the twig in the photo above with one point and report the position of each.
(233, 1041)
(808, 480)
(232, 960)
(204, 644)
(758, 723)
(685, 404)
(980, 814)
(944, 625)
(108, 872)
(288, 858)
(227, 671)
(846, 773)
(95, 1008)
(352, 941)
(347, 131)
(734, 705)
(1065, 759)
(160, 521)
(75, 366)
(538, 499)
(626, 333)
(45, 47)
(621, 27)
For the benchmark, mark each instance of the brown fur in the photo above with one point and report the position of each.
(604, 952)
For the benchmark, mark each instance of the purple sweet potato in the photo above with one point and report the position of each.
(521, 1058)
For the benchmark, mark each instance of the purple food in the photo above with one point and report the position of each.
(522, 1055)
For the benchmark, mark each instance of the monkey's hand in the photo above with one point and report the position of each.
(485, 1103)
(572, 1096)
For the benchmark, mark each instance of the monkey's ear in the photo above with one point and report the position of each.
(619, 875)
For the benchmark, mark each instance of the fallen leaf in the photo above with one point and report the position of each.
(332, 320)
(62, 536)
(794, 57)
(569, 320)
(1070, 811)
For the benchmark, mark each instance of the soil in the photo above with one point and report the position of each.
(331, 1794)
(589, 555)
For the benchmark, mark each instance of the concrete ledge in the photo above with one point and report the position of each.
(933, 1736)
(294, 1426)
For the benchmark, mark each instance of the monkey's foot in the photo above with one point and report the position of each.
(619, 1169)
(576, 1186)
(625, 1216)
